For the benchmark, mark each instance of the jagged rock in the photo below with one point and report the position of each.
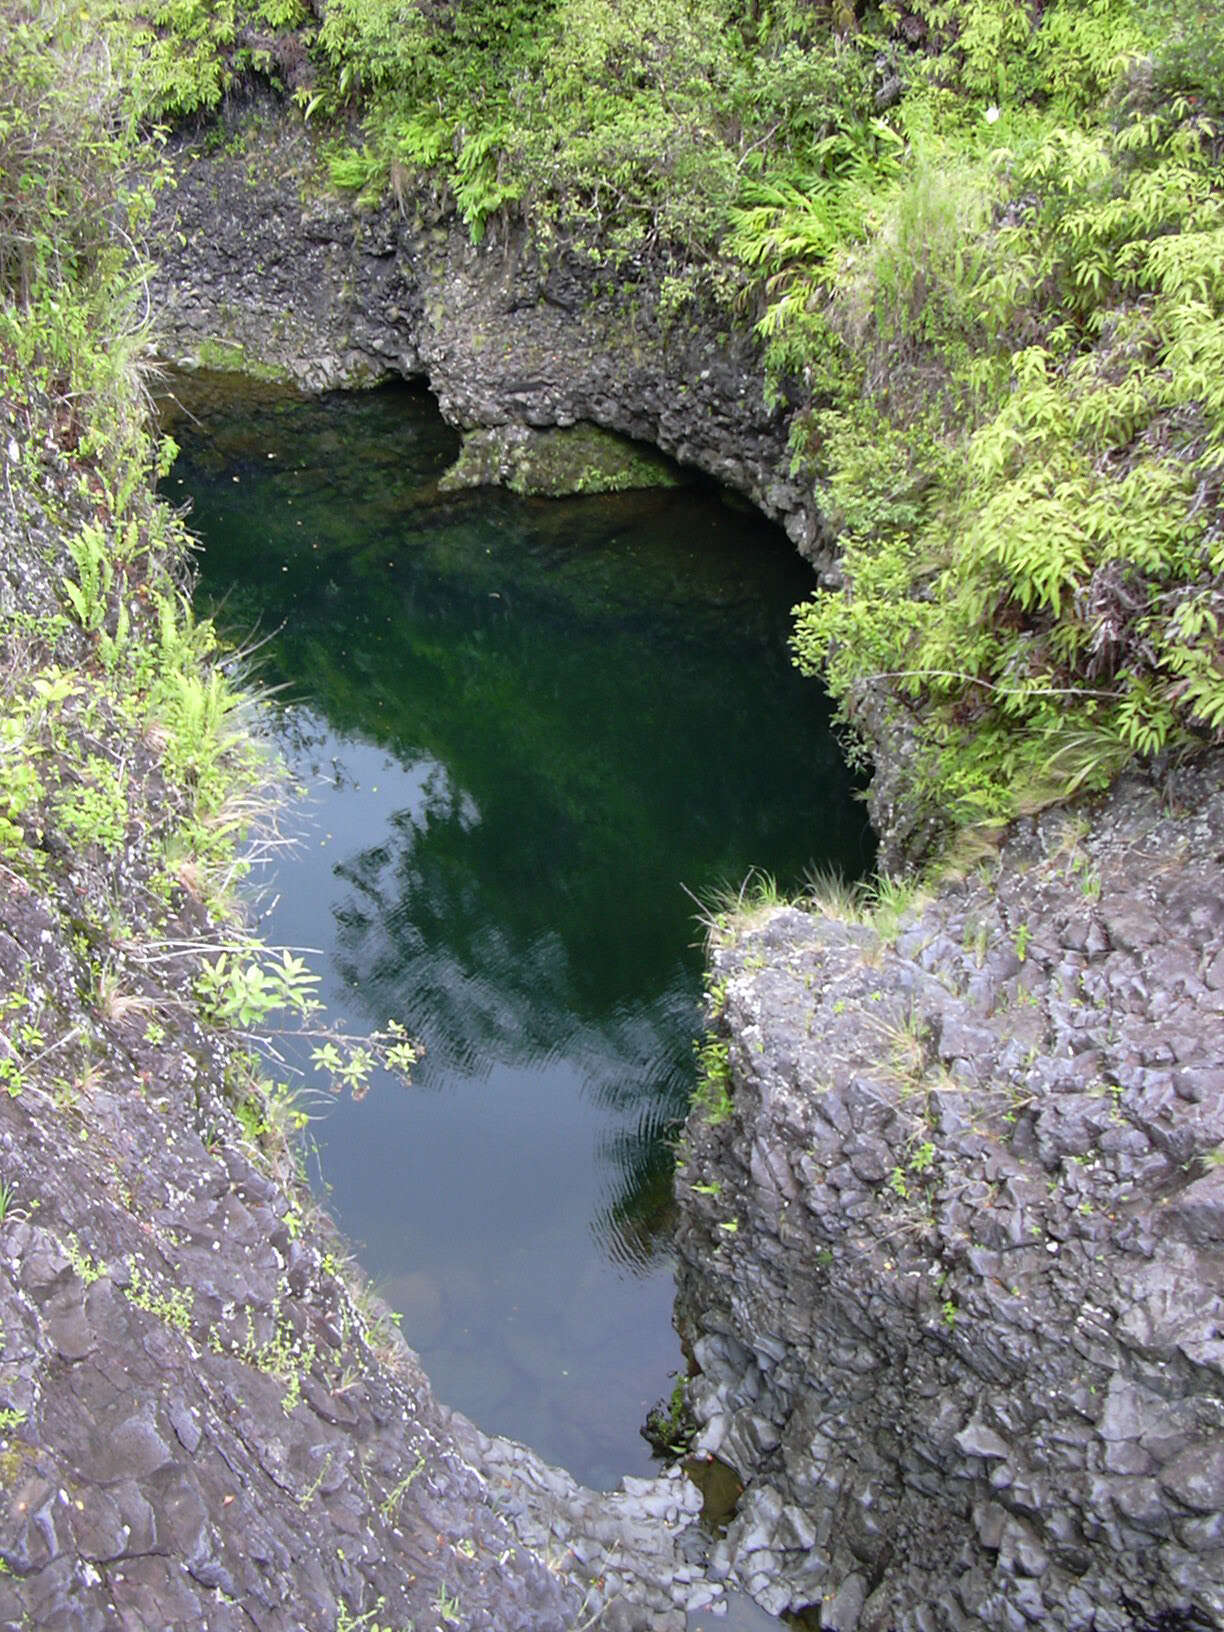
(994, 1300)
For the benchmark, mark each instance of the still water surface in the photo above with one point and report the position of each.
(526, 729)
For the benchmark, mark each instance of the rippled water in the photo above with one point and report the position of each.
(526, 729)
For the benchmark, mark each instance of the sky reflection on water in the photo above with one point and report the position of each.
(526, 728)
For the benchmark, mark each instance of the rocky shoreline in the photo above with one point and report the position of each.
(951, 1260)
(206, 1420)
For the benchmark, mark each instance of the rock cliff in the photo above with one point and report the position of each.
(952, 1259)
(951, 1263)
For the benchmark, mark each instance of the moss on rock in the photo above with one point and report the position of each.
(555, 462)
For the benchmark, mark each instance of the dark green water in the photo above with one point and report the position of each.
(526, 728)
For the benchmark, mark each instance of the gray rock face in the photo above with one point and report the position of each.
(264, 265)
(959, 1299)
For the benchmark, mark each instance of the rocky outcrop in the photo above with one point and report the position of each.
(556, 462)
(264, 265)
(204, 1423)
(953, 1264)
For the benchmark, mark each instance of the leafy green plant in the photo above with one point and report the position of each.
(95, 810)
(1049, 605)
(447, 1606)
(170, 1304)
(89, 596)
(390, 1505)
(283, 1355)
(243, 991)
(84, 1267)
(712, 1094)
(348, 1621)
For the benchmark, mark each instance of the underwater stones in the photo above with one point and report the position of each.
(553, 462)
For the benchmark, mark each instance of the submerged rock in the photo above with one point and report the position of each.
(552, 463)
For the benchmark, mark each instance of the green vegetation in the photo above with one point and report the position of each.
(712, 1095)
(982, 250)
(132, 791)
(1018, 416)
(171, 1304)
(390, 1505)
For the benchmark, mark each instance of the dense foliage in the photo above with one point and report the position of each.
(984, 248)
(1019, 411)
(78, 172)
(126, 760)
(982, 244)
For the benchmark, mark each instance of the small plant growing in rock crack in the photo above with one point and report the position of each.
(8, 1197)
(922, 1157)
(347, 1621)
(390, 1505)
(670, 1426)
(172, 1306)
(90, 595)
(312, 1489)
(890, 900)
(447, 1606)
(716, 997)
(95, 811)
(713, 1091)
(283, 1356)
(85, 1268)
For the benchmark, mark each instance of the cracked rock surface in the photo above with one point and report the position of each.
(953, 1265)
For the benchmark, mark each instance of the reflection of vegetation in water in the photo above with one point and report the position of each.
(593, 705)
